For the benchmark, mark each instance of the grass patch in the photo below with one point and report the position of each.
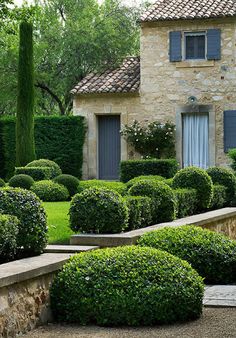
(58, 222)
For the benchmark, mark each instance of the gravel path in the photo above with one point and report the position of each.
(215, 323)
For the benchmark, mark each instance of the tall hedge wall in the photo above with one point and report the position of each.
(57, 138)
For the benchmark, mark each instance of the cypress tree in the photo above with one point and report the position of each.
(25, 147)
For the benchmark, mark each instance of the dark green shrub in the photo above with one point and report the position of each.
(133, 168)
(69, 181)
(49, 191)
(142, 178)
(114, 186)
(8, 237)
(98, 210)
(127, 285)
(186, 202)
(163, 199)
(140, 211)
(2, 183)
(37, 173)
(196, 178)
(55, 169)
(212, 255)
(219, 197)
(27, 207)
(225, 177)
(232, 156)
(21, 181)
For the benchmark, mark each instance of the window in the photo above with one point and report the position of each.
(195, 45)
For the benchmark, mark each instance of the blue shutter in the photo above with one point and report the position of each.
(229, 129)
(175, 46)
(213, 44)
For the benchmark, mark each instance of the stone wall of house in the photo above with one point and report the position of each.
(225, 226)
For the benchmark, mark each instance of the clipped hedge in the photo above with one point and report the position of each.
(8, 237)
(98, 210)
(69, 181)
(49, 191)
(213, 255)
(133, 168)
(140, 211)
(26, 206)
(42, 163)
(143, 178)
(219, 199)
(186, 202)
(114, 186)
(37, 173)
(126, 286)
(163, 199)
(198, 179)
(58, 138)
(21, 181)
(2, 183)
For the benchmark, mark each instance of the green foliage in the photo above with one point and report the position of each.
(55, 169)
(50, 191)
(114, 186)
(219, 199)
(21, 181)
(8, 237)
(25, 148)
(169, 182)
(212, 255)
(69, 181)
(156, 140)
(133, 168)
(232, 156)
(58, 138)
(140, 211)
(98, 210)
(225, 177)
(27, 207)
(186, 202)
(37, 173)
(142, 178)
(126, 286)
(163, 199)
(2, 183)
(196, 178)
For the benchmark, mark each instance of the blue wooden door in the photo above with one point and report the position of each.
(108, 147)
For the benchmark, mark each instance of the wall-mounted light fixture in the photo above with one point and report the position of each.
(192, 99)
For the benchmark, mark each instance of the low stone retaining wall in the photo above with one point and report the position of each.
(221, 220)
(24, 292)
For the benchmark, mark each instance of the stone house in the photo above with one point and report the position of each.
(186, 74)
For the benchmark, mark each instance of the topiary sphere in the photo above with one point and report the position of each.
(127, 285)
(69, 181)
(49, 191)
(56, 170)
(163, 197)
(225, 177)
(213, 255)
(98, 210)
(8, 237)
(143, 178)
(21, 181)
(196, 178)
(26, 206)
(2, 183)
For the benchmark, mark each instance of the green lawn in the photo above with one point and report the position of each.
(58, 222)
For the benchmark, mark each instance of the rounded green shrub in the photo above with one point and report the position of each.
(26, 206)
(114, 186)
(49, 191)
(21, 181)
(163, 199)
(213, 255)
(225, 177)
(8, 237)
(232, 156)
(143, 178)
(196, 178)
(140, 211)
(98, 210)
(69, 181)
(127, 285)
(2, 183)
(55, 169)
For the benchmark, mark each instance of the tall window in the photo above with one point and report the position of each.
(195, 45)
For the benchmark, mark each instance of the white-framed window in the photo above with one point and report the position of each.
(195, 45)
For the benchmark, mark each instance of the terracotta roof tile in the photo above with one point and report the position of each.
(125, 79)
(189, 9)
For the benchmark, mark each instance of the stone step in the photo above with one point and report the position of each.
(220, 296)
(69, 248)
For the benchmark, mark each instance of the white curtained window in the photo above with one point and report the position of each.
(195, 140)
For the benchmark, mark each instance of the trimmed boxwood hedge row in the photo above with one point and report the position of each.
(69, 181)
(21, 181)
(219, 199)
(126, 286)
(8, 237)
(37, 173)
(143, 178)
(186, 202)
(114, 186)
(140, 211)
(133, 168)
(98, 210)
(213, 255)
(49, 191)
(55, 169)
